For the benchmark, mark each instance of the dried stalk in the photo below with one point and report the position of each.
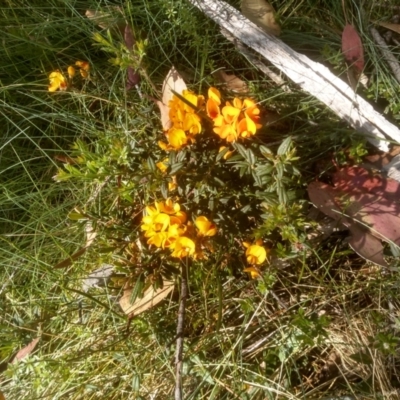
(179, 333)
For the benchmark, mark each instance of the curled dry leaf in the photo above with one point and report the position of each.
(352, 47)
(25, 351)
(261, 13)
(172, 82)
(150, 298)
(392, 27)
(231, 81)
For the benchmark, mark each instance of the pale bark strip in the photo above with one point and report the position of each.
(386, 53)
(179, 334)
(313, 77)
(256, 62)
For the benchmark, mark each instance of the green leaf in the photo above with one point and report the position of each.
(284, 147)
(175, 168)
(138, 289)
(151, 164)
(279, 170)
(241, 149)
(250, 157)
(266, 152)
(257, 179)
(264, 169)
(164, 190)
(76, 216)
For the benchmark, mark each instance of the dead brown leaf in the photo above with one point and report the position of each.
(392, 27)
(261, 13)
(231, 81)
(150, 298)
(173, 81)
(25, 351)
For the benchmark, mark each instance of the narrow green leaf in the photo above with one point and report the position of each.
(151, 164)
(175, 168)
(284, 147)
(279, 170)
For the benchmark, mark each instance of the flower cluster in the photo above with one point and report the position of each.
(166, 226)
(256, 254)
(186, 124)
(235, 120)
(58, 80)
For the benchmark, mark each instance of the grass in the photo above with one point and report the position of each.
(321, 322)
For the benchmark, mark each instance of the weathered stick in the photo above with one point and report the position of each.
(179, 334)
(386, 53)
(311, 76)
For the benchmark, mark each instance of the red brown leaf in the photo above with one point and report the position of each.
(25, 351)
(367, 204)
(352, 47)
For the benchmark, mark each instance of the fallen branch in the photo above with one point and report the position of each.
(312, 77)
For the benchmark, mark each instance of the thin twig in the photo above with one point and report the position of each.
(386, 53)
(179, 333)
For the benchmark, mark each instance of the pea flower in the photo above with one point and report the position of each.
(205, 227)
(57, 81)
(84, 68)
(255, 253)
(235, 120)
(253, 271)
(183, 247)
(71, 71)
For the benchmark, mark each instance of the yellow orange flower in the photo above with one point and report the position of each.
(83, 64)
(173, 184)
(57, 81)
(253, 271)
(71, 71)
(184, 116)
(162, 165)
(227, 155)
(213, 103)
(177, 138)
(235, 120)
(183, 247)
(205, 227)
(169, 207)
(84, 68)
(255, 253)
